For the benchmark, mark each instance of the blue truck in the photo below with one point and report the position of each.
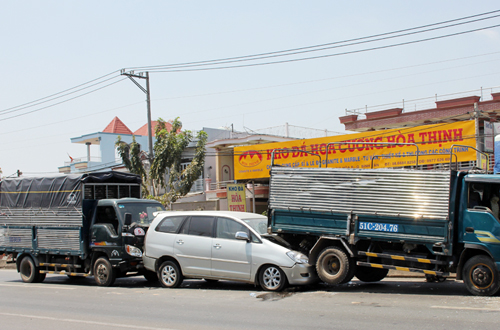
(363, 223)
(78, 225)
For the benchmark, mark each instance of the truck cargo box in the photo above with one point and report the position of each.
(404, 205)
(45, 214)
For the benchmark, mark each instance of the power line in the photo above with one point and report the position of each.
(254, 57)
(330, 78)
(332, 55)
(74, 118)
(69, 89)
(52, 105)
(32, 104)
(311, 48)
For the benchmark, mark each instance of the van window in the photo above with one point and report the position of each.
(201, 226)
(227, 228)
(169, 224)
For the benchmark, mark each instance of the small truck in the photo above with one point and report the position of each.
(77, 224)
(364, 222)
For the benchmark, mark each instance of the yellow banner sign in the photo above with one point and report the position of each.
(375, 149)
(236, 198)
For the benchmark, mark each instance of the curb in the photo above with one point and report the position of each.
(403, 274)
(7, 265)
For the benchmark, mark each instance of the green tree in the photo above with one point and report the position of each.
(132, 156)
(166, 171)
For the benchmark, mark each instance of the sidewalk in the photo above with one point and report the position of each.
(7, 265)
(6, 262)
(402, 274)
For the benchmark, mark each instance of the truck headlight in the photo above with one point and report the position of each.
(298, 257)
(133, 251)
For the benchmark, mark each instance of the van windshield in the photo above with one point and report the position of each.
(259, 225)
(142, 213)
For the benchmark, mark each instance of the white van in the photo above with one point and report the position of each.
(221, 245)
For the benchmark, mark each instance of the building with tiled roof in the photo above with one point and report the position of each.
(106, 141)
(118, 127)
(144, 129)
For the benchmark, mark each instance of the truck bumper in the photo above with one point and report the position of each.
(129, 265)
(149, 263)
(301, 274)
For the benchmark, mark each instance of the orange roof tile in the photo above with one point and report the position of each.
(117, 126)
(144, 129)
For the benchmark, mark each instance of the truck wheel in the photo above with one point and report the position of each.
(350, 274)
(104, 274)
(170, 275)
(272, 278)
(370, 274)
(29, 272)
(333, 265)
(480, 276)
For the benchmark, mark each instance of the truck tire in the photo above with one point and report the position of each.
(104, 273)
(170, 275)
(370, 274)
(29, 272)
(480, 276)
(333, 265)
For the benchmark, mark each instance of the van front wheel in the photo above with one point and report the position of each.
(170, 275)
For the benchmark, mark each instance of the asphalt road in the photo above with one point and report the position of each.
(133, 303)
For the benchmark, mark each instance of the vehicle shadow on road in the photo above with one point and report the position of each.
(411, 287)
(388, 286)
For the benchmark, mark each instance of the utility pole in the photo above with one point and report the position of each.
(146, 90)
(479, 159)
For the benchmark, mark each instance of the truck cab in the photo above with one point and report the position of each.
(479, 232)
(117, 232)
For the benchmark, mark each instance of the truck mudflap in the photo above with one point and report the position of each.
(403, 259)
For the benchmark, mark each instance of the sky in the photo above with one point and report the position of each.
(49, 47)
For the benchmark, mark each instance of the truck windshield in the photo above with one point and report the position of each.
(142, 213)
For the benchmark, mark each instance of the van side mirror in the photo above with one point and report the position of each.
(242, 236)
(128, 219)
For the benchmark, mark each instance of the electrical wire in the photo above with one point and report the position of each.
(19, 108)
(69, 89)
(74, 118)
(51, 97)
(310, 48)
(331, 55)
(78, 96)
(330, 78)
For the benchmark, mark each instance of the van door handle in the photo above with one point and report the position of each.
(469, 230)
(217, 246)
(180, 242)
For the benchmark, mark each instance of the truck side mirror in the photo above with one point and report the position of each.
(128, 219)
